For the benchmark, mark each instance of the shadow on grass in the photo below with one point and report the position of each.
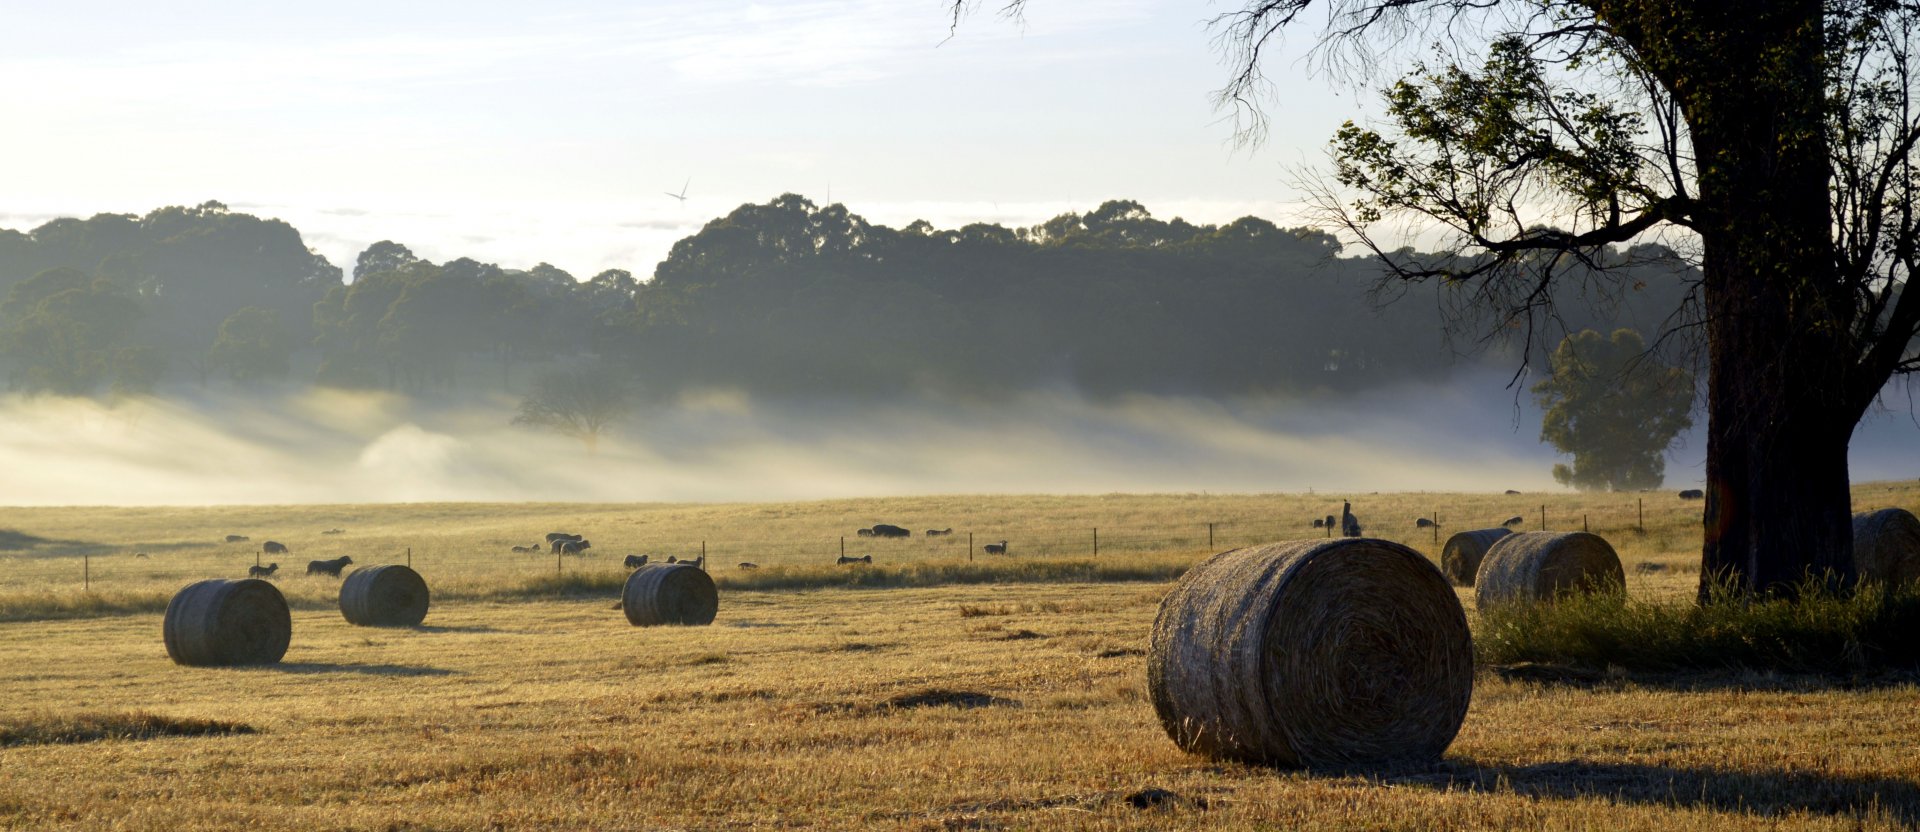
(1574, 676)
(464, 628)
(363, 669)
(1769, 793)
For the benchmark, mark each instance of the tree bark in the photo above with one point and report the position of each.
(1780, 362)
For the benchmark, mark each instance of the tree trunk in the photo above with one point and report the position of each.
(1779, 357)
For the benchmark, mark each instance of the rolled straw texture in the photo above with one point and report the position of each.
(221, 622)
(1461, 557)
(1886, 546)
(1349, 651)
(384, 596)
(669, 593)
(1538, 566)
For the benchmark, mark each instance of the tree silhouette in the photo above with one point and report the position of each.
(1776, 135)
(581, 402)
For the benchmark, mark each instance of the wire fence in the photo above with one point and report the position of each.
(443, 557)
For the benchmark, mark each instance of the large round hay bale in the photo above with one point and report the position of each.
(1537, 566)
(1886, 546)
(669, 593)
(384, 596)
(1349, 651)
(1460, 560)
(222, 622)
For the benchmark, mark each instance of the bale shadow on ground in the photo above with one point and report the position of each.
(1586, 678)
(364, 669)
(459, 628)
(1765, 792)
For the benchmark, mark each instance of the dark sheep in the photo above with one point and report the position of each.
(555, 536)
(1319, 523)
(864, 532)
(263, 571)
(1693, 494)
(1330, 523)
(1514, 521)
(328, 567)
(889, 530)
(863, 559)
(697, 563)
(746, 565)
(1349, 524)
(996, 548)
(1511, 492)
(672, 559)
(236, 538)
(939, 532)
(273, 548)
(1424, 523)
(571, 547)
(636, 561)
(560, 542)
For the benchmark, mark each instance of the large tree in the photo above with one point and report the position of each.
(1776, 135)
(1614, 409)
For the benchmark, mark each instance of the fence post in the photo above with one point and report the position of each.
(843, 545)
(1096, 541)
(969, 546)
(409, 557)
(1543, 518)
(556, 562)
(1583, 524)
(1643, 515)
(1436, 528)
(86, 573)
(1209, 535)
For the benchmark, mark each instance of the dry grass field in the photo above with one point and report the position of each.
(969, 704)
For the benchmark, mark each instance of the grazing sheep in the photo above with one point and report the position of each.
(1424, 523)
(140, 555)
(1511, 492)
(560, 542)
(939, 532)
(889, 530)
(263, 571)
(996, 548)
(1330, 523)
(697, 563)
(553, 536)
(534, 549)
(335, 531)
(1319, 523)
(746, 565)
(864, 532)
(672, 559)
(1693, 494)
(328, 567)
(1514, 521)
(273, 548)
(636, 561)
(1349, 524)
(571, 547)
(863, 559)
(236, 538)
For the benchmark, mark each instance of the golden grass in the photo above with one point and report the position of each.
(964, 706)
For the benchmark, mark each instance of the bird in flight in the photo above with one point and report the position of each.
(682, 195)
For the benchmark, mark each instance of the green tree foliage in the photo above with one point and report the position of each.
(583, 402)
(1615, 407)
(253, 346)
(66, 333)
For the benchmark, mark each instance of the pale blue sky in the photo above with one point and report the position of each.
(518, 132)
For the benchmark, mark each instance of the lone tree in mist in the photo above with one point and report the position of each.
(1775, 135)
(579, 402)
(1615, 409)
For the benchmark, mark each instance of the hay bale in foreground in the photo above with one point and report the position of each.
(1537, 566)
(221, 622)
(1349, 651)
(1460, 560)
(1886, 546)
(670, 593)
(384, 596)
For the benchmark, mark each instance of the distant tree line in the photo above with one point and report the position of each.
(784, 298)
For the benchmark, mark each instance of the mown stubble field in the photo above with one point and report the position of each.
(976, 706)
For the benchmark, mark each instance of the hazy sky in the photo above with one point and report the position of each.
(518, 132)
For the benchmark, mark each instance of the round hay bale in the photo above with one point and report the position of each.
(1348, 651)
(1886, 546)
(1537, 566)
(669, 593)
(1460, 560)
(384, 596)
(221, 622)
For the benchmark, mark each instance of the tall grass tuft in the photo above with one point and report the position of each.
(1870, 630)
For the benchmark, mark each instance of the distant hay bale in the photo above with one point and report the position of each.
(1461, 557)
(1310, 653)
(670, 593)
(221, 622)
(1537, 566)
(384, 596)
(1886, 546)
